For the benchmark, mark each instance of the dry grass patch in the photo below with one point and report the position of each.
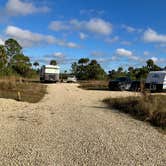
(14, 88)
(94, 85)
(150, 108)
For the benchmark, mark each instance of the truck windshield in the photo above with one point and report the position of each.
(122, 79)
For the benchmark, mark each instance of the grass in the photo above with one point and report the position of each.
(150, 108)
(21, 90)
(94, 85)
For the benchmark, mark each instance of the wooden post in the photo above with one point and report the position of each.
(18, 96)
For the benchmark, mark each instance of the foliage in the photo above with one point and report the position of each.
(94, 85)
(135, 73)
(85, 69)
(3, 57)
(53, 62)
(12, 48)
(21, 64)
(36, 64)
(145, 107)
(13, 61)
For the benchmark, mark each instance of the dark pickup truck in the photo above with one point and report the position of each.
(120, 83)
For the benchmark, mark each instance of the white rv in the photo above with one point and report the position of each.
(49, 73)
(156, 81)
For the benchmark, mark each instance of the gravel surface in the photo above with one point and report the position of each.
(71, 126)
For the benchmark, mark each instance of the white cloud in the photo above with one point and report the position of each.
(1, 42)
(126, 43)
(18, 7)
(82, 35)
(152, 36)
(58, 54)
(58, 25)
(97, 53)
(146, 53)
(94, 25)
(112, 40)
(99, 26)
(123, 52)
(155, 59)
(131, 29)
(28, 38)
(126, 53)
(72, 45)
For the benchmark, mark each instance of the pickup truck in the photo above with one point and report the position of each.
(120, 83)
(71, 79)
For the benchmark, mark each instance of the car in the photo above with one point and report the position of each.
(71, 79)
(120, 83)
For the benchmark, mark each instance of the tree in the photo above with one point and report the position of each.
(83, 61)
(120, 69)
(21, 64)
(36, 64)
(130, 69)
(112, 74)
(95, 71)
(53, 62)
(74, 67)
(150, 64)
(93, 62)
(85, 71)
(12, 48)
(3, 56)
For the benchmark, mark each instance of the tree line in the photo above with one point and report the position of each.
(136, 73)
(86, 69)
(14, 62)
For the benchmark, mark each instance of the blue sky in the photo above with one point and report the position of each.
(115, 32)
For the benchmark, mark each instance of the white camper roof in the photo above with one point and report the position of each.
(158, 72)
(52, 66)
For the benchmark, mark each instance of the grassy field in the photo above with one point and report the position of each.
(94, 85)
(150, 108)
(22, 90)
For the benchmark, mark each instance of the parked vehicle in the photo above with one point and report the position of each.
(156, 81)
(120, 83)
(136, 86)
(71, 79)
(49, 73)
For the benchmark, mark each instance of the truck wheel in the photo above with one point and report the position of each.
(122, 88)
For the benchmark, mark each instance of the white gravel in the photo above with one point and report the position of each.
(71, 126)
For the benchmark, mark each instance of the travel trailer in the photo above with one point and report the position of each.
(49, 73)
(156, 81)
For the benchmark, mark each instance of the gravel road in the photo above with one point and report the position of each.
(71, 126)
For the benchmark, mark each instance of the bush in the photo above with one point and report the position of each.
(146, 107)
(29, 92)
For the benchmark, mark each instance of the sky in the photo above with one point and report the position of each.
(114, 32)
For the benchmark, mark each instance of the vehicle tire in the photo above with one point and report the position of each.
(122, 87)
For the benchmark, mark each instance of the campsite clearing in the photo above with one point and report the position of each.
(72, 126)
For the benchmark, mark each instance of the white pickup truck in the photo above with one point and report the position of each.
(71, 79)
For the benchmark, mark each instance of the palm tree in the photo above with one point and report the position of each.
(53, 62)
(36, 64)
